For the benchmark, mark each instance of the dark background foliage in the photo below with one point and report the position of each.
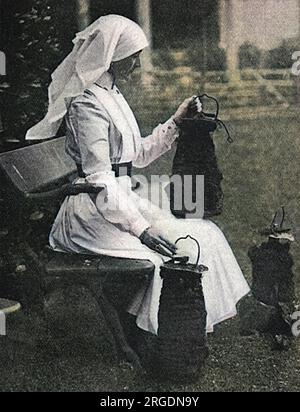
(35, 37)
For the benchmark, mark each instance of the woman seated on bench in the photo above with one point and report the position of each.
(103, 138)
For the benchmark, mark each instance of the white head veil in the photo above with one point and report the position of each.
(109, 39)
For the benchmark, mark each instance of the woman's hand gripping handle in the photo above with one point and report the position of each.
(153, 239)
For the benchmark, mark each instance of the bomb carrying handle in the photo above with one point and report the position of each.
(184, 259)
(215, 116)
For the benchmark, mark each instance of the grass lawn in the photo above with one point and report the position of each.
(261, 172)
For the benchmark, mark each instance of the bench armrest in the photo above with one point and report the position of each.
(68, 189)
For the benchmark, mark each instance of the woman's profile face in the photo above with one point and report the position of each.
(124, 68)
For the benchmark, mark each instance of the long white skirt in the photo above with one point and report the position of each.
(80, 228)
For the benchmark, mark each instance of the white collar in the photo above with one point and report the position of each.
(106, 82)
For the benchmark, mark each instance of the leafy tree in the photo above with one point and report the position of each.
(249, 56)
(280, 57)
(36, 37)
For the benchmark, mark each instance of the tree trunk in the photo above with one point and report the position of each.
(231, 29)
(143, 10)
(83, 14)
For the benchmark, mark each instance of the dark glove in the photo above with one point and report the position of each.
(154, 241)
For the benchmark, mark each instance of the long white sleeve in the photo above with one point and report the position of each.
(159, 142)
(90, 128)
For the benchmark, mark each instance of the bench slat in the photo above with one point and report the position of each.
(63, 264)
(35, 167)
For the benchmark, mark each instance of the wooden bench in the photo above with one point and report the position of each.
(42, 175)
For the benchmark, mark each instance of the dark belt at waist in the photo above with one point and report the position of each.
(121, 169)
